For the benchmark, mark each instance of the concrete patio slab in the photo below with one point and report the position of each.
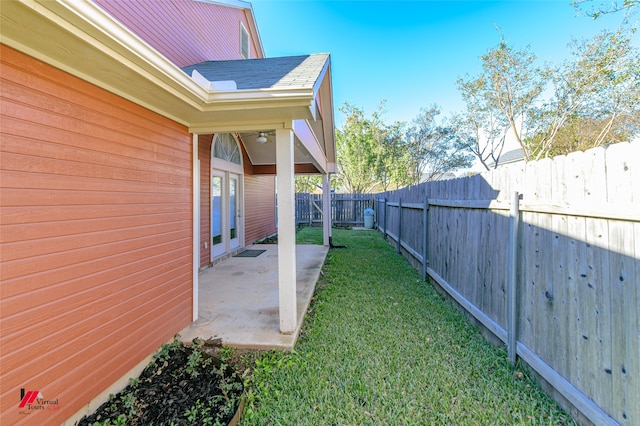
(238, 298)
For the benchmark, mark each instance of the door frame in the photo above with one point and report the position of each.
(227, 170)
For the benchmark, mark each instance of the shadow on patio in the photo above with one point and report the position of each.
(238, 298)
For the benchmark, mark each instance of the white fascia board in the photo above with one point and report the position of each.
(254, 28)
(85, 20)
(239, 126)
(267, 95)
(238, 4)
(107, 25)
(321, 75)
(304, 132)
(88, 26)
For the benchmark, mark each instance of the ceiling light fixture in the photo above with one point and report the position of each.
(261, 138)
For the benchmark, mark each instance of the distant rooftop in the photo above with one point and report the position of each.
(509, 157)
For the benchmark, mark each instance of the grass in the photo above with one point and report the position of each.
(309, 235)
(379, 346)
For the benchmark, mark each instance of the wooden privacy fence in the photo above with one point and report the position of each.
(546, 255)
(346, 209)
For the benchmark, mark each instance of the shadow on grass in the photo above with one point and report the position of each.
(380, 346)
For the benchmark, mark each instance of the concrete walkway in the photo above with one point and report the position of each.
(238, 298)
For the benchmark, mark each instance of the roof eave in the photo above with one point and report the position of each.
(84, 40)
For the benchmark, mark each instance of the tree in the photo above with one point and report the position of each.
(479, 128)
(596, 98)
(504, 97)
(307, 183)
(357, 149)
(599, 85)
(392, 159)
(597, 8)
(432, 148)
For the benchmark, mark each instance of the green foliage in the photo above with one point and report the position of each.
(193, 362)
(374, 155)
(503, 96)
(433, 148)
(138, 402)
(307, 183)
(164, 353)
(199, 414)
(594, 99)
(597, 8)
(480, 128)
(120, 421)
(357, 148)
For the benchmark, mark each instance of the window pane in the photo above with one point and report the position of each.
(216, 210)
(226, 148)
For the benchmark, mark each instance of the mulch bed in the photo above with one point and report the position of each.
(182, 386)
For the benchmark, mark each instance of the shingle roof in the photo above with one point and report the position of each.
(265, 73)
(509, 157)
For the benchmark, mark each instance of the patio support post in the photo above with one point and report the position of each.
(326, 208)
(286, 230)
(196, 226)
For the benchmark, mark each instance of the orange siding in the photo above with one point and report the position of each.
(204, 154)
(259, 207)
(187, 32)
(96, 236)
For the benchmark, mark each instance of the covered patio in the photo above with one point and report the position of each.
(280, 112)
(238, 298)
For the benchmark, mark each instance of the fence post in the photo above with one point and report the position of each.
(425, 235)
(512, 276)
(310, 209)
(384, 200)
(376, 209)
(399, 222)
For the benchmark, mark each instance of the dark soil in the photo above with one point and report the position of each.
(182, 386)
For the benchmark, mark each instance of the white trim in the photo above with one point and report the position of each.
(196, 227)
(87, 31)
(238, 4)
(226, 170)
(326, 208)
(244, 31)
(287, 299)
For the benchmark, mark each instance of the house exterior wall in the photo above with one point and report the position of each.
(204, 155)
(96, 236)
(259, 207)
(187, 32)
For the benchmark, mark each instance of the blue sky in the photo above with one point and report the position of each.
(411, 52)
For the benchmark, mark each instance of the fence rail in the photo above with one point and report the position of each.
(546, 255)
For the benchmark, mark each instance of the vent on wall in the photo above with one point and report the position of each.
(244, 42)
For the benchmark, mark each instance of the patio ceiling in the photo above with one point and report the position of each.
(84, 40)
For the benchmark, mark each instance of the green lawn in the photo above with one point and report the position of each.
(380, 346)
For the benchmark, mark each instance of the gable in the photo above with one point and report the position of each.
(188, 31)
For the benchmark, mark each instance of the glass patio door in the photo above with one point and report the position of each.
(225, 212)
(217, 197)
